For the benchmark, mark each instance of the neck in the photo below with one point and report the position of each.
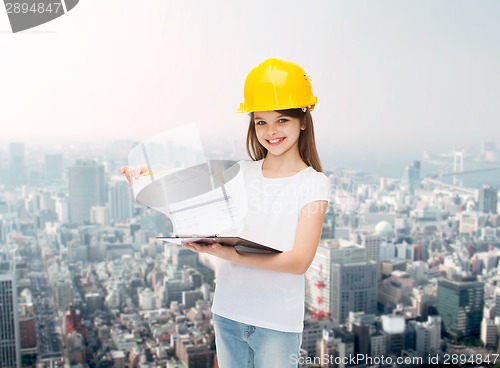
(290, 162)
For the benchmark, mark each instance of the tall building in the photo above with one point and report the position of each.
(75, 348)
(489, 333)
(318, 299)
(27, 322)
(394, 330)
(378, 344)
(361, 325)
(10, 345)
(352, 282)
(496, 298)
(353, 288)
(147, 300)
(53, 167)
(86, 189)
(318, 277)
(327, 346)
(460, 304)
(372, 246)
(5, 229)
(17, 170)
(313, 331)
(73, 322)
(121, 201)
(411, 177)
(63, 290)
(27, 333)
(423, 300)
(62, 209)
(428, 335)
(488, 199)
(99, 215)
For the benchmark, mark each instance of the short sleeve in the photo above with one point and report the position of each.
(244, 164)
(317, 188)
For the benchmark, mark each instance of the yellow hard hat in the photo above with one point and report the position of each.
(277, 84)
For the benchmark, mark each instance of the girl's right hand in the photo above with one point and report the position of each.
(133, 172)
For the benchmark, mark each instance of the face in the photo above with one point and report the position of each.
(278, 133)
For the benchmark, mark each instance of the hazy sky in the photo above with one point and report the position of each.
(389, 75)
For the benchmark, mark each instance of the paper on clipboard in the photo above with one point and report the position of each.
(199, 196)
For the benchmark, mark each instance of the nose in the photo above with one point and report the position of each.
(272, 129)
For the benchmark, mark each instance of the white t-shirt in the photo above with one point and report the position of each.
(259, 297)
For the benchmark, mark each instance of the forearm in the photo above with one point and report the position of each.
(295, 261)
(289, 261)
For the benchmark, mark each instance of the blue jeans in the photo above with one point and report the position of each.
(244, 346)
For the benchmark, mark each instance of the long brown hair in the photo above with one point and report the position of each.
(307, 143)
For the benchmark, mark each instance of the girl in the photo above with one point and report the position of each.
(258, 304)
(259, 298)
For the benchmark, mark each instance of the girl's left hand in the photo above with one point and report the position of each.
(215, 249)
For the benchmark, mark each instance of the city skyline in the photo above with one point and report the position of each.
(406, 128)
(92, 275)
(481, 159)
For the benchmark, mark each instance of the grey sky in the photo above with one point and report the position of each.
(389, 75)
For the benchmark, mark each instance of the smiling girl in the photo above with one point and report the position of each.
(259, 298)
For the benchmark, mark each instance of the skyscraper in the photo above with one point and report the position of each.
(411, 177)
(10, 345)
(428, 335)
(317, 299)
(362, 326)
(394, 331)
(496, 296)
(353, 289)
(350, 281)
(460, 304)
(86, 189)
(120, 201)
(488, 199)
(17, 171)
(372, 246)
(53, 167)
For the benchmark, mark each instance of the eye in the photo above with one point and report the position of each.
(260, 122)
(282, 120)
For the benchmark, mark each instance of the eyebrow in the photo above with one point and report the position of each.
(277, 117)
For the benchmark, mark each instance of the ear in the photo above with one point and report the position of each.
(303, 124)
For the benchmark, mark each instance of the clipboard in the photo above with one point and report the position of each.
(241, 245)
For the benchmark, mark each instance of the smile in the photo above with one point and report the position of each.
(275, 141)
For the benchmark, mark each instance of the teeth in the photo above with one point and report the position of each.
(274, 140)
